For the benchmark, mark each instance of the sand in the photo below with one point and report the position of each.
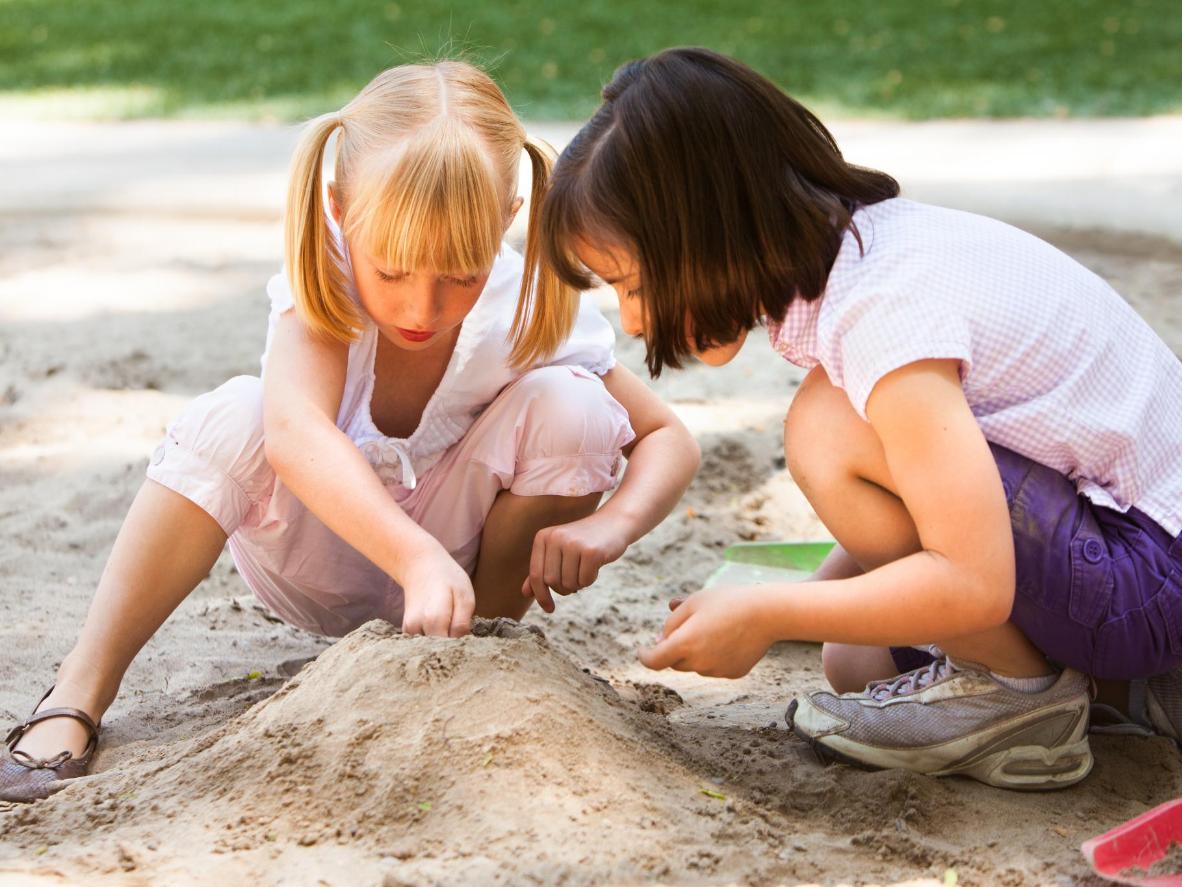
(505, 758)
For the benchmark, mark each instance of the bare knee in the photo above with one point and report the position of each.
(816, 424)
(825, 442)
(849, 667)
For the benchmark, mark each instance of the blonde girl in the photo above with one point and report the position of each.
(435, 423)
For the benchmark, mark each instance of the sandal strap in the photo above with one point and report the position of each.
(75, 713)
(15, 734)
(18, 731)
(31, 763)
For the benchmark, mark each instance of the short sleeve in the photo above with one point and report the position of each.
(279, 292)
(891, 332)
(592, 342)
(282, 301)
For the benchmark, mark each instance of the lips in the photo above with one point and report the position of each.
(415, 335)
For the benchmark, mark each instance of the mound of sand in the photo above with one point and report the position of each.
(396, 745)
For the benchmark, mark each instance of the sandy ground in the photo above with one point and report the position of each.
(497, 759)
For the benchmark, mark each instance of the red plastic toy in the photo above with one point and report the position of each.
(1127, 853)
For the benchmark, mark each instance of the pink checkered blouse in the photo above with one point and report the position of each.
(1055, 364)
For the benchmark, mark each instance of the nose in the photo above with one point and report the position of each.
(631, 320)
(425, 305)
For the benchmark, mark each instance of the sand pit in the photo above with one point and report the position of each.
(423, 762)
(493, 759)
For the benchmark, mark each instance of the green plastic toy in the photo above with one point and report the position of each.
(756, 563)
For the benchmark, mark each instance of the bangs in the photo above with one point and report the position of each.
(568, 216)
(436, 206)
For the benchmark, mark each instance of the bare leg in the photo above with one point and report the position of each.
(850, 667)
(506, 544)
(838, 462)
(165, 547)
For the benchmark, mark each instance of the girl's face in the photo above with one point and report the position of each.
(619, 269)
(414, 309)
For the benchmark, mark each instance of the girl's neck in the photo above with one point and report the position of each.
(404, 382)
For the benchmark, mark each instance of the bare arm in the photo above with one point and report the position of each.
(302, 391)
(837, 565)
(662, 460)
(961, 582)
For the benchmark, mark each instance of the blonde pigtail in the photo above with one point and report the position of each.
(314, 263)
(547, 308)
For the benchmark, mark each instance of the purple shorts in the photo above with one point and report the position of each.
(1097, 590)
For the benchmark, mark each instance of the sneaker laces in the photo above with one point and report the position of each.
(912, 681)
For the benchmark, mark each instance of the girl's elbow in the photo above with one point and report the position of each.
(998, 613)
(275, 455)
(997, 603)
(693, 451)
(686, 443)
(277, 442)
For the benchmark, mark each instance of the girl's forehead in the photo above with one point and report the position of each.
(382, 265)
(609, 262)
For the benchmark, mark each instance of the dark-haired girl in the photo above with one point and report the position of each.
(990, 432)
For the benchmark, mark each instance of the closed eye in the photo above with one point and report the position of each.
(463, 281)
(390, 278)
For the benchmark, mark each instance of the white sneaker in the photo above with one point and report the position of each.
(1162, 703)
(954, 718)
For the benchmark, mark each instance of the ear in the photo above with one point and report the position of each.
(514, 208)
(334, 205)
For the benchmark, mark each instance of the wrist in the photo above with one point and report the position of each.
(771, 611)
(408, 549)
(627, 525)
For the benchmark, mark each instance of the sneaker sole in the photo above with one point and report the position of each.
(1017, 767)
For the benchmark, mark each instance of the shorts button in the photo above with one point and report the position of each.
(158, 455)
(1093, 551)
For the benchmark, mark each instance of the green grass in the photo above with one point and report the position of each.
(291, 58)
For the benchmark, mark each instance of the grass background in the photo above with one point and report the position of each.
(285, 59)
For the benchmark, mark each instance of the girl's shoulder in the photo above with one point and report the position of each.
(495, 309)
(902, 248)
(590, 344)
(900, 228)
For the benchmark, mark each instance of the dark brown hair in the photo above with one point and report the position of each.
(732, 196)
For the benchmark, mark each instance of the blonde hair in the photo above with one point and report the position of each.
(425, 176)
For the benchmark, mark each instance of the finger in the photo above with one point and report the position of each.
(545, 599)
(527, 590)
(438, 622)
(570, 571)
(412, 624)
(588, 570)
(537, 560)
(678, 616)
(537, 566)
(552, 572)
(463, 609)
(676, 602)
(664, 654)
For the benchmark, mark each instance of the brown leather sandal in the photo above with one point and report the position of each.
(24, 778)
